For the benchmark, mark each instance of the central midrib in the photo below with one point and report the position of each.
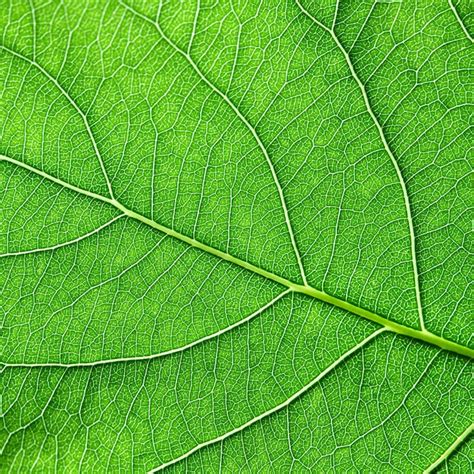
(422, 335)
(393, 326)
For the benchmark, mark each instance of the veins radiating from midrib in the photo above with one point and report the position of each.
(388, 150)
(370, 111)
(424, 335)
(214, 88)
(243, 119)
(252, 130)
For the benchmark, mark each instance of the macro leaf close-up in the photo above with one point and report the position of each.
(236, 236)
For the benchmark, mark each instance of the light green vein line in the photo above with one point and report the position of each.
(159, 354)
(389, 152)
(459, 20)
(75, 106)
(57, 180)
(422, 335)
(463, 436)
(63, 244)
(242, 118)
(277, 408)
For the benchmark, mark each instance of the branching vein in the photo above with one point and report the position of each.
(74, 105)
(389, 153)
(422, 335)
(244, 120)
(279, 407)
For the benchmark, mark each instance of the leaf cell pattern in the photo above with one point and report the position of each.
(236, 236)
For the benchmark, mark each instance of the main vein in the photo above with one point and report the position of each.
(422, 335)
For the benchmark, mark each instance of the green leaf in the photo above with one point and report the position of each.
(236, 236)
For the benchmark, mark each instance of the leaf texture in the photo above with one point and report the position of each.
(236, 236)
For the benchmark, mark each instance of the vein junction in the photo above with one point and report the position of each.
(422, 335)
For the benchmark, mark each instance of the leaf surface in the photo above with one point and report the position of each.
(236, 236)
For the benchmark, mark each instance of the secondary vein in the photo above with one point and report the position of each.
(422, 335)
(388, 150)
(63, 244)
(176, 350)
(241, 117)
(459, 440)
(277, 408)
(74, 105)
(459, 20)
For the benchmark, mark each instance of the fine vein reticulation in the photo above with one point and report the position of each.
(387, 148)
(143, 376)
(277, 408)
(252, 130)
(422, 335)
